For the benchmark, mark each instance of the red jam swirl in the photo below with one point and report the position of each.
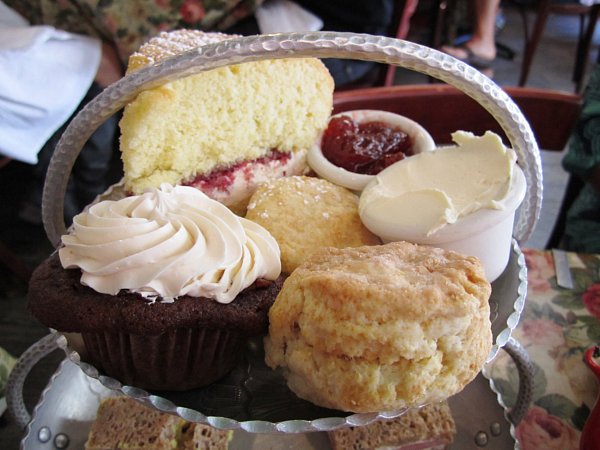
(365, 148)
(222, 178)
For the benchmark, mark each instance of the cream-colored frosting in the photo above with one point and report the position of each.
(169, 242)
(420, 195)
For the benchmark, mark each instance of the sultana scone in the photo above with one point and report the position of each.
(305, 214)
(382, 327)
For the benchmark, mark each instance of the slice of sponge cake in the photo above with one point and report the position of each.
(218, 129)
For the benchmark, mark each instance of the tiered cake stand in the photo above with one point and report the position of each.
(253, 398)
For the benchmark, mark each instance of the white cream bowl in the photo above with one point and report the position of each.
(485, 233)
(420, 138)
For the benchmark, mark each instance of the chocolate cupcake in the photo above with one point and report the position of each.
(163, 287)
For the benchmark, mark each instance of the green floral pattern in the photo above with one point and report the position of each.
(557, 326)
(7, 362)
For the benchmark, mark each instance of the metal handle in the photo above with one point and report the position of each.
(14, 387)
(286, 45)
(526, 380)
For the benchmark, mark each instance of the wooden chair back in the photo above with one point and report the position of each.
(588, 13)
(443, 109)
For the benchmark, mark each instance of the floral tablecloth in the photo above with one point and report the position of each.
(556, 327)
(7, 362)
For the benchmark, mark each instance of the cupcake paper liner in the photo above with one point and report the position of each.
(176, 360)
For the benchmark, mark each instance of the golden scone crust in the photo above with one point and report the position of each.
(381, 328)
(305, 214)
(215, 119)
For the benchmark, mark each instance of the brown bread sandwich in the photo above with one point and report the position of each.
(123, 423)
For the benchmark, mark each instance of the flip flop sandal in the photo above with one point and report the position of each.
(479, 62)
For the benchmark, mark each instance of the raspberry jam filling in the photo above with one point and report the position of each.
(222, 179)
(365, 148)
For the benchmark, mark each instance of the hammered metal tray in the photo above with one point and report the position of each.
(224, 404)
(255, 398)
(68, 405)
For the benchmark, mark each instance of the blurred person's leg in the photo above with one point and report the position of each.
(480, 49)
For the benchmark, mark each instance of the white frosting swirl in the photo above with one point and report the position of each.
(169, 242)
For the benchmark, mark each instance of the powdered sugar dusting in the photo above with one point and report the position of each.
(176, 42)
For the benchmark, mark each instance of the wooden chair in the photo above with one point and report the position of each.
(443, 109)
(588, 16)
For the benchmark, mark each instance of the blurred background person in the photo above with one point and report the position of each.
(582, 161)
(371, 17)
(119, 27)
(479, 50)
(45, 74)
(122, 26)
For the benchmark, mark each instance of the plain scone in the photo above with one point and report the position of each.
(218, 118)
(380, 328)
(305, 214)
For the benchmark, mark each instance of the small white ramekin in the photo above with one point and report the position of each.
(421, 140)
(485, 233)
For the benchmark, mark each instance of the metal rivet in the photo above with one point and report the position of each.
(44, 434)
(495, 428)
(61, 441)
(481, 439)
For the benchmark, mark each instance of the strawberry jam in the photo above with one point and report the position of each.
(221, 179)
(365, 148)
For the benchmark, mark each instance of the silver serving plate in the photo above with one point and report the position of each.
(253, 398)
(256, 399)
(67, 408)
